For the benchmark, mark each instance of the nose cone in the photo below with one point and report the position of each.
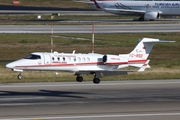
(10, 65)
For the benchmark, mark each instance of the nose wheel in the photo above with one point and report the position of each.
(19, 76)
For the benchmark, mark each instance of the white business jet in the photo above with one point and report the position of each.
(147, 10)
(91, 63)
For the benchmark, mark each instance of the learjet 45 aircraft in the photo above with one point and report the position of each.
(147, 10)
(91, 63)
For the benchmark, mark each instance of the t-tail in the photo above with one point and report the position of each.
(138, 57)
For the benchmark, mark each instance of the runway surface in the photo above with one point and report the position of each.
(125, 100)
(140, 28)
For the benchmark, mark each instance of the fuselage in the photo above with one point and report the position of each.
(68, 62)
(165, 8)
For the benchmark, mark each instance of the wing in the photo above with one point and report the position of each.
(125, 10)
(101, 73)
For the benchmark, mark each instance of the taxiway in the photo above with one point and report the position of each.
(140, 28)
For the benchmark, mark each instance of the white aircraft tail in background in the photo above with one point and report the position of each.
(92, 63)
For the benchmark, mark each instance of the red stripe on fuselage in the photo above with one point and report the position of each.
(138, 61)
(81, 64)
(75, 64)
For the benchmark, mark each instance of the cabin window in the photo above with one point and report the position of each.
(88, 59)
(64, 59)
(53, 58)
(74, 59)
(32, 57)
(58, 59)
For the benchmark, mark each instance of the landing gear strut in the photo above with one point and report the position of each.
(19, 76)
(96, 79)
(141, 18)
(79, 78)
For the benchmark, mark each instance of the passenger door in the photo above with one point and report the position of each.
(47, 58)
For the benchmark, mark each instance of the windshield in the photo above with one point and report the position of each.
(31, 56)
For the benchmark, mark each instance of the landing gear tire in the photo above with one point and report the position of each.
(79, 78)
(96, 80)
(141, 19)
(19, 76)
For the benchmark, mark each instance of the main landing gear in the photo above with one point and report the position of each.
(141, 18)
(79, 78)
(96, 80)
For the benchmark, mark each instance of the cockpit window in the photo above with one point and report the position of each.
(32, 56)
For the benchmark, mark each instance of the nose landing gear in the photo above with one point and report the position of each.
(19, 76)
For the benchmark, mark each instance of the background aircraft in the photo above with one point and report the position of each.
(92, 63)
(147, 10)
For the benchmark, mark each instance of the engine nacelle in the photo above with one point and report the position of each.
(104, 59)
(151, 15)
(111, 59)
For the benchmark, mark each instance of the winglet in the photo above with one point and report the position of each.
(144, 66)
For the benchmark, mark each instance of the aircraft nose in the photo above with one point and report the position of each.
(10, 65)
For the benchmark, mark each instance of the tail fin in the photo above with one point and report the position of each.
(97, 5)
(141, 52)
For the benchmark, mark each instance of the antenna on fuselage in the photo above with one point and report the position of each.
(52, 38)
(92, 37)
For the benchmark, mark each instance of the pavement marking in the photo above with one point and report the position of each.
(95, 116)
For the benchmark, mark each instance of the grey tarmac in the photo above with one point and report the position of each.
(115, 100)
(141, 28)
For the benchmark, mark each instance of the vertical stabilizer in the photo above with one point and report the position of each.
(96, 4)
(141, 52)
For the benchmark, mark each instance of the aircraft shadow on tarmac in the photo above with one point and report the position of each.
(139, 95)
(44, 93)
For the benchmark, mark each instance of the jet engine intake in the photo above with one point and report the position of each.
(104, 59)
(151, 15)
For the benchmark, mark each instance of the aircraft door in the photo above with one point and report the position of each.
(47, 58)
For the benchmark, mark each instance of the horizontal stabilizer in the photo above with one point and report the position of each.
(146, 65)
(155, 40)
